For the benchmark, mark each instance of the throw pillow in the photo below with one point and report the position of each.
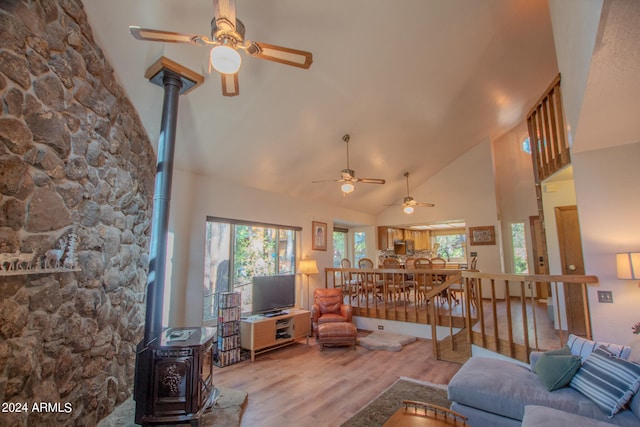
(583, 347)
(607, 380)
(556, 368)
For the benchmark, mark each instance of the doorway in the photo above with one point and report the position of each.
(570, 244)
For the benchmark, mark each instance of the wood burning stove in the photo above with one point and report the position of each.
(174, 377)
(173, 381)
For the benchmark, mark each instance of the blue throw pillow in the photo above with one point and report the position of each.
(608, 381)
(583, 347)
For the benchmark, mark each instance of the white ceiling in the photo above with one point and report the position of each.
(416, 83)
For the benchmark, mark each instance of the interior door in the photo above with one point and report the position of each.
(540, 265)
(572, 264)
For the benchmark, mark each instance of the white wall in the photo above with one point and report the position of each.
(575, 26)
(194, 197)
(515, 190)
(607, 193)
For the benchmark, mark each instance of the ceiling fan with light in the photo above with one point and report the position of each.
(227, 38)
(408, 203)
(348, 175)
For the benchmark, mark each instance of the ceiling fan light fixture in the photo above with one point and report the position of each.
(348, 187)
(408, 209)
(225, 59)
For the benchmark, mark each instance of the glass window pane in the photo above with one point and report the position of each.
(287, 252)
(359, 246)
(339, 247)
(519, 243)
(216, 265)
(254, 253)
(451, 247)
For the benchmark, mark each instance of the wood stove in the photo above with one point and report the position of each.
(174, 367)
(174, 377)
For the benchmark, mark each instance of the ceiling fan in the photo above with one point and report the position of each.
(408, 203)
(348, 175)
(227, 37)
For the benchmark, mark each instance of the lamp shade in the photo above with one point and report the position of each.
(628, 265)
(225, 59)
(408, 209)
(308, 266)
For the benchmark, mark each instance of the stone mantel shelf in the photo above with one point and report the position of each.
(37, 271)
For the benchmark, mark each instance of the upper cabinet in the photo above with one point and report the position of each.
(386, 236)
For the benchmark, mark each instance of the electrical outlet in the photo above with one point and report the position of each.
(381, 327)
(605, 296)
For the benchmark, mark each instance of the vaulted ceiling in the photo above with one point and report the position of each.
(416, 83)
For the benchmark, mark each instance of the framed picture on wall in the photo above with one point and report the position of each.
(482, 235)
(319, 236)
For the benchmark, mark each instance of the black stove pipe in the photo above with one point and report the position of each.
(172, 83)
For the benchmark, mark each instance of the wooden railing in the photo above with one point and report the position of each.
(545, 122)
(498, 312)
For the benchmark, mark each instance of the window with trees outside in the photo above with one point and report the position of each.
(340, 236)
(519, 245)
(236, 251)
(451, 244)
(359, 246)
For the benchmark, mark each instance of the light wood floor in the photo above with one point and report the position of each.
(303, 386)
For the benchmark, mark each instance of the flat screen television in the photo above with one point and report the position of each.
(273, 293)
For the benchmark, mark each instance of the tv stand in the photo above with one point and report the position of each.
(273, 313)
(263, 333)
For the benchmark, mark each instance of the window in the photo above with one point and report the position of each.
(519, 245)
(359, 246)
(339, 245)
(526, 146)
(451, 244)
(236, 251)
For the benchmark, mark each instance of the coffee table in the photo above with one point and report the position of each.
(420, 414)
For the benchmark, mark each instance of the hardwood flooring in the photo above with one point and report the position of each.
(303, 386)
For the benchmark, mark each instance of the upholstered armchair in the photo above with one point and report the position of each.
(328, 306)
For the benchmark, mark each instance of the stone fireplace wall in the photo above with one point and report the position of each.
(74, 158)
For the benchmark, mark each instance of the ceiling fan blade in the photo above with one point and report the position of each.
(225, 14)
(370, 180)
(426, 205)
(283, 55)
(327, 180)
(230, 84)
(167, 36)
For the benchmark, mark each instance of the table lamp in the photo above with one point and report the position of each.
(308, 266)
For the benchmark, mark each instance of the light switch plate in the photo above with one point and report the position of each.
(605, 296)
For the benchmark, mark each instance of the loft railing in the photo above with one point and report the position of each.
(499, 312)
(545, 122)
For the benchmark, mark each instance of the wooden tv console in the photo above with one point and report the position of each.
(260, 334)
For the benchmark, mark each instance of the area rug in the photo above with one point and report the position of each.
(380, 409)
(226, 412)
(385, 341)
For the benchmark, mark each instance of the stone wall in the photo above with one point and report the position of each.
(74, 157)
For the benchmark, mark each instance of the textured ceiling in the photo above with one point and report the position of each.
(416, 83)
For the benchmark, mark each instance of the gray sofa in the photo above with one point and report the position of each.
(494, 392)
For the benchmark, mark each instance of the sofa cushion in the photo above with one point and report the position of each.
(583, 347)
(542, 416)
(505, 388)
(607, 380)
(556, 368)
